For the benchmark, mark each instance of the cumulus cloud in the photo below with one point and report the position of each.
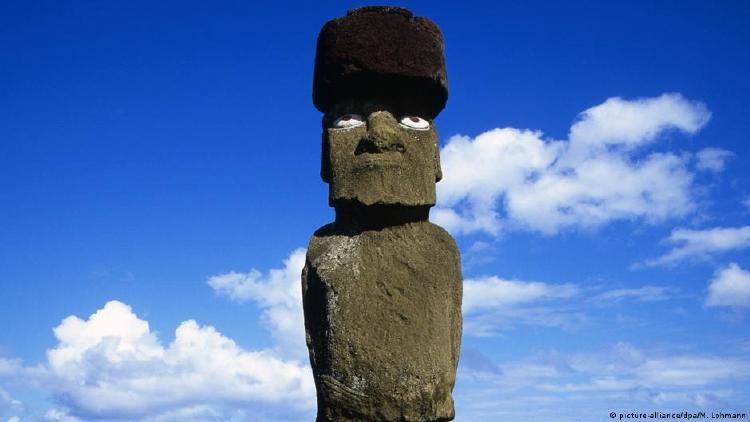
(730, 287)
(492, 303)
(598, 175)
(480, 170)
(700, 244)
(629, 124)
(712, 159)
(642, 294)
(112, 366)
(278, 293)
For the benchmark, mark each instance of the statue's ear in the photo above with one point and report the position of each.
(438, 170)
(325, 160)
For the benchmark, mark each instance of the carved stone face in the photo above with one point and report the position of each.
(377, 152)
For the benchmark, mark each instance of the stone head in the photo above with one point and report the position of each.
(380, 81)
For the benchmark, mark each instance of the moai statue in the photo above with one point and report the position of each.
(382, 285)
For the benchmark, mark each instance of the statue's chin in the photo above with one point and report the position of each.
(356, 215)
(381, 185)
(383, 201)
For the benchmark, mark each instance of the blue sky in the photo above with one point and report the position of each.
(160, 170)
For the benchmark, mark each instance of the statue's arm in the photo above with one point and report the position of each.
(456, 313)
(452, 259)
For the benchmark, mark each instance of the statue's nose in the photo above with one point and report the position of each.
(382, 134)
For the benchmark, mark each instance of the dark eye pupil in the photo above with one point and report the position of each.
(414, 119)
(347, 117)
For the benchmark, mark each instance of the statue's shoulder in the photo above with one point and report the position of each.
(423, 235)
(438, 234)
(448, 243)
(439, 231)
(329, 240)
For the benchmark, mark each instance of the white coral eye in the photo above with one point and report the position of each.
(348, 121)
(414, 122)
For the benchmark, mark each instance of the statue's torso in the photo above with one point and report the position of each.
(383, 319)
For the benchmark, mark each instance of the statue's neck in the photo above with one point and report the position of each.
(355, 216)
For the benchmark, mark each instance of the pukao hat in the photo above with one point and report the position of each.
(380, 52)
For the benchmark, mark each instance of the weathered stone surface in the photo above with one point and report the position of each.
(380, 162)
(382, 286)
(379, 49)
(383, 322)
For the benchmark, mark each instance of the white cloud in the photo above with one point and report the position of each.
(492, 323)
(701, 244)
(492, 303)
(9, 405)
(57, 415)
(631, 123)
(493, 292)
(9, 366)
(689, 371)
(628, 368)
(643, 294)
(592, 383)
(596, 176)
(480, 170)
(712, 159)
(112, 366)
(730, 287)
(279, 294)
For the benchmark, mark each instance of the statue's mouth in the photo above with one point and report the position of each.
(379, 159)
